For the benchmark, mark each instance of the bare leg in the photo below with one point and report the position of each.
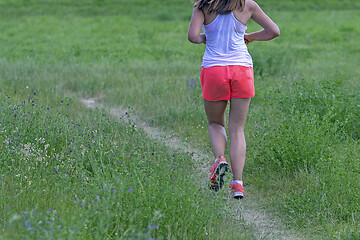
(215, 112)
(237, 118)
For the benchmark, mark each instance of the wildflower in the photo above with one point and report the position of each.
(154, 226)
(130, 189)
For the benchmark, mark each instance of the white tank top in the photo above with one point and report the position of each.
(225, 43)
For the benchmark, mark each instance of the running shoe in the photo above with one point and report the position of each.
(237, 191)
(218, 171)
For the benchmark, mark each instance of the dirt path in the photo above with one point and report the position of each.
(248, 209)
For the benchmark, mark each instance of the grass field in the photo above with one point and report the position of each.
(68, 172)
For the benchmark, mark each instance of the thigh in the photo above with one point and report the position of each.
(215, 111)
(238, 111)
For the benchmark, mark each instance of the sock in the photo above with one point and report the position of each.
(218, 158)
(237, 181)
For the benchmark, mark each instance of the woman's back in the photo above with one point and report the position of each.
(225, 42)
(242, 16)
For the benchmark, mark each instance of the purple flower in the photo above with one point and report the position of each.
(56, 170)
(130, 189)
(154, 226)
(31, 229)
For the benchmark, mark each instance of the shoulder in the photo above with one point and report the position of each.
(251, 5)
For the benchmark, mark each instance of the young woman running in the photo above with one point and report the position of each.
(227, 75)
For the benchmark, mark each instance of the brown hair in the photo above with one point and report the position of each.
(219, 6)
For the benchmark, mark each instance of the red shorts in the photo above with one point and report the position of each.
(225, 82)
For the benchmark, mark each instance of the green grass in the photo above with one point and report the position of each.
(96, 178)
(303, 124)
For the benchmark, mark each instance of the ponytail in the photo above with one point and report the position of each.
(219, 6)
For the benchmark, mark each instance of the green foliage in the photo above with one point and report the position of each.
(102, 179)
(302, 128)
(314, 146)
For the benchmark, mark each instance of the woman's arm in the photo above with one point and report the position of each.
(270, 29)
(196, 22)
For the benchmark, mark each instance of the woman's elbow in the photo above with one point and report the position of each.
(192, 38)
(276, 32)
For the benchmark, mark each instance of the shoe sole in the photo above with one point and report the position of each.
(237, 195)
(221, 170)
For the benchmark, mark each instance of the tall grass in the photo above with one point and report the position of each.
(303, 124)
(95, 179)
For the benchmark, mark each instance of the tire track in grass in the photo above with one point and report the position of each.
(248, 209)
